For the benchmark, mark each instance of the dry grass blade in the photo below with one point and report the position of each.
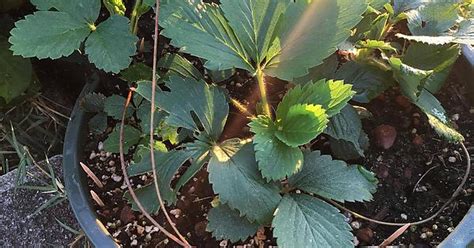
(91, 175)
(394, 236)
(97, 199)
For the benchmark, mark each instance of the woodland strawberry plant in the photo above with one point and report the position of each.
(329, 52)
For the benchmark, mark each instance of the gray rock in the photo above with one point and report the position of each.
(19, 227)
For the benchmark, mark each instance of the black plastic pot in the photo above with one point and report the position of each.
(75, 179)
(80, 200)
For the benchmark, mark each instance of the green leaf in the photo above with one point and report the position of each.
(462, 35)
(15, 73)
(411, 79)
(178, 65)
(147, 196)
(304, 221)
(437, 117)
(201, 30)
(377, 27)
(189, 98)
(111, 45)
(93, 102)
(143, 114)
(368, 81)
(167, 165)
(47, 34)
(114, 106)
(276, 160)
(98, 123)
(226, 223)
(326, 23)
(346, 150)
(440, 59)
(331, 95)
(376, 44)
(432, 18)
(400, 6)
(240, 185)
(86, 11)
(254, 23)
(347, 126)
(325, 70)
(378, 4)
(333, 179)
(131, 137)
(302, 123)
(137, 72)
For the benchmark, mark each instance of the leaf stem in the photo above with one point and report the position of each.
(263, 91)
(134, 17)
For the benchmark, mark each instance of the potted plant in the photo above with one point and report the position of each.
(324, 53)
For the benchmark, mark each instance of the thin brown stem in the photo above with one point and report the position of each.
(441, 209)
(127, 179)
(152, 128)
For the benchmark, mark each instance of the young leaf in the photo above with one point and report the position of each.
(201, 30)
(376, 44)
(47, 34)
(115, 7)
(326, 23)
(331, 95)
(226, 223)
(111, 45)
(276, 160)
(189, 98)
(302, 123)
(304, 221)
(131, 137)
(411, 80)
(346, 126)
(240, 185)
(16, 73)
(333, 179)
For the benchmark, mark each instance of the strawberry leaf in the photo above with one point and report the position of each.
(226, 223)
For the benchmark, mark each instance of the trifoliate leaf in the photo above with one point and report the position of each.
(16, 73)
(175, 64)
(368, 81)
(306, 23)
(304, 221)
(226, 223)
(137, 72)
(114, 105)
(302, 123)
(98, 123)
(192, 104)
(147, 196)
(347, 126)
(240, 185)
(111, 45)
(47, 34)
(432, 18)
(333, 179)
(440, 59)
(276, 160)
(167, 165)
(331, 95)
(254, 23)
(131, 136)
(346, 150)
(93, 102)
(201, 29)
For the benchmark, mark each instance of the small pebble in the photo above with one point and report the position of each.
(435, 227)
(423, 236)
(223, 243)
(450, 229)
(100, 146)
(148, 229)
(134, 242)
(116, 178)
(452, 159)
(93, 155)
(455, 117)
(140, 230)
(356, 225)
(148, 237)
(111, 163)
(404, 216)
